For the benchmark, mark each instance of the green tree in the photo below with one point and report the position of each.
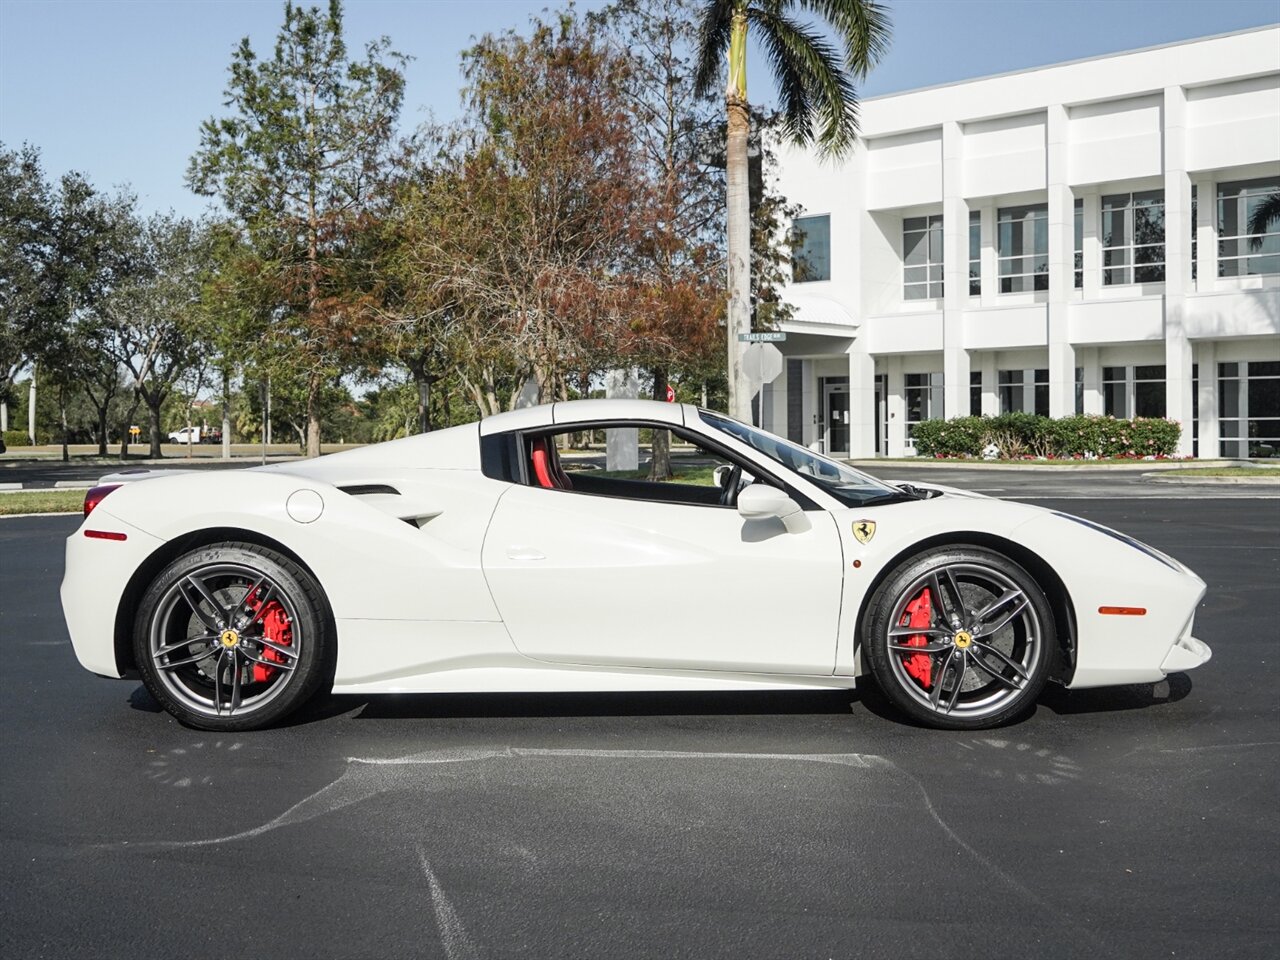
(525, 232)
(154, 314)
(294, 163)
(819, 103)
(26, 223)
(82, 263)
(234, 312)
(676, 303)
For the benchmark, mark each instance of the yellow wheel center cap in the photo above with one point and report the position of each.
(963, 639)
(229, 638)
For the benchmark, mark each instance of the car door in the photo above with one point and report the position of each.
(592, 579)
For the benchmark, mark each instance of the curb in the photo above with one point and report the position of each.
(19, 516)
(1214, 481)
(1066, 468)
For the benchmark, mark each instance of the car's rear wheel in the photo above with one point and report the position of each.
(960, 638)
(233, 636)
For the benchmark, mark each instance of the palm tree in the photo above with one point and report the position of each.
(1261, 218)
(819, 106)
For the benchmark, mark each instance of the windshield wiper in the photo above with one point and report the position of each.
(914, 492)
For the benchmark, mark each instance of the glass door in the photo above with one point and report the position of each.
(882, 421)
(835, 406)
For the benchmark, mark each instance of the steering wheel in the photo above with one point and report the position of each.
(729, 486)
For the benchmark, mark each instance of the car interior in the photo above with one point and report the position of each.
(545, 469)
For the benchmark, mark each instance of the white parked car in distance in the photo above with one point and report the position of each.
(195, 435)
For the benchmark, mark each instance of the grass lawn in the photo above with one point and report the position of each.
(869, 463)
(41, 501)
(1227, 472)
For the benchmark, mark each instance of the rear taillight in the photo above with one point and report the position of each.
(96, 495)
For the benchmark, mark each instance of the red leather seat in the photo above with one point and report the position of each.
(547, 471)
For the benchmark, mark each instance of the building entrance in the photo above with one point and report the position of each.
(835, 415)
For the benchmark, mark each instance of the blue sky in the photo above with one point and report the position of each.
(118, 88)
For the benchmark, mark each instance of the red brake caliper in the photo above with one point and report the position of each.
(919, 613)
(275, 627)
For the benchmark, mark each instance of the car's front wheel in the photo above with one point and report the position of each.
(233, 636)
(960, 637)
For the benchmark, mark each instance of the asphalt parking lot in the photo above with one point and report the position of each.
(1136, 822)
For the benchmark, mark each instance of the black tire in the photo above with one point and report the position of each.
(202, 646)
(984, 656)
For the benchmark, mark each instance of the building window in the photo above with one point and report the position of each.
(1195, 232)
(1241, 253)
(1079, 218)
(1137, 391)
(1133, 238)
(1149, 391)
(1010, 391)
(811, 249)
(923, 395)
(1249, 408)
(1115, 391)
(922, 258)
(1079, 406)
(1022, 248)
(975, 393)
(1195, 407)
(975, 253)
(1024, 391)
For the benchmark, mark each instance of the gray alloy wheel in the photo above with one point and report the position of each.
(960, 638)
(232, 637)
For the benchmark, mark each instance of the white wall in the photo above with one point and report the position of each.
(1247, 313)
(903, 332)
(1194, 63)
(881, 266)
(1000, 327)
(1233, 123)
(1004, 155)
(1116, 321)
(904, 170)
(1115, 140)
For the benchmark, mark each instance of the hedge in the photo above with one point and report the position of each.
(16, 438)
(1022, 435)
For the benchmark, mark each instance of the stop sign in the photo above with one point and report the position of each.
(762, 362)
(671, 394)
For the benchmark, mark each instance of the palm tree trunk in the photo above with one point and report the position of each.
(738, 219)
(226, 413)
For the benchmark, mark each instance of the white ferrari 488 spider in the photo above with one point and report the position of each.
(478, 559)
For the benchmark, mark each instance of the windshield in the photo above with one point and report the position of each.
(851, 487)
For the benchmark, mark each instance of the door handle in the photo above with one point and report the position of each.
(515, 552)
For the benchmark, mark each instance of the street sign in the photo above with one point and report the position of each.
(766, 336)
(671, 394)
(761, 362)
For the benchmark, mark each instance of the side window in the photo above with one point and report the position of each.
(578, 461)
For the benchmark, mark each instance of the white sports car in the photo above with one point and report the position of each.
(477, 559)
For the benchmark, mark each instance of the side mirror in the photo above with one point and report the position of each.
(762, 502)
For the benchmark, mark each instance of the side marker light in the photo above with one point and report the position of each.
(105, 535)
(1123, 611)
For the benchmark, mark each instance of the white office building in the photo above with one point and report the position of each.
(1069, 238)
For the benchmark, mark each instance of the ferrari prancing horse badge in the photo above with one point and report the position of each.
(864, 530)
